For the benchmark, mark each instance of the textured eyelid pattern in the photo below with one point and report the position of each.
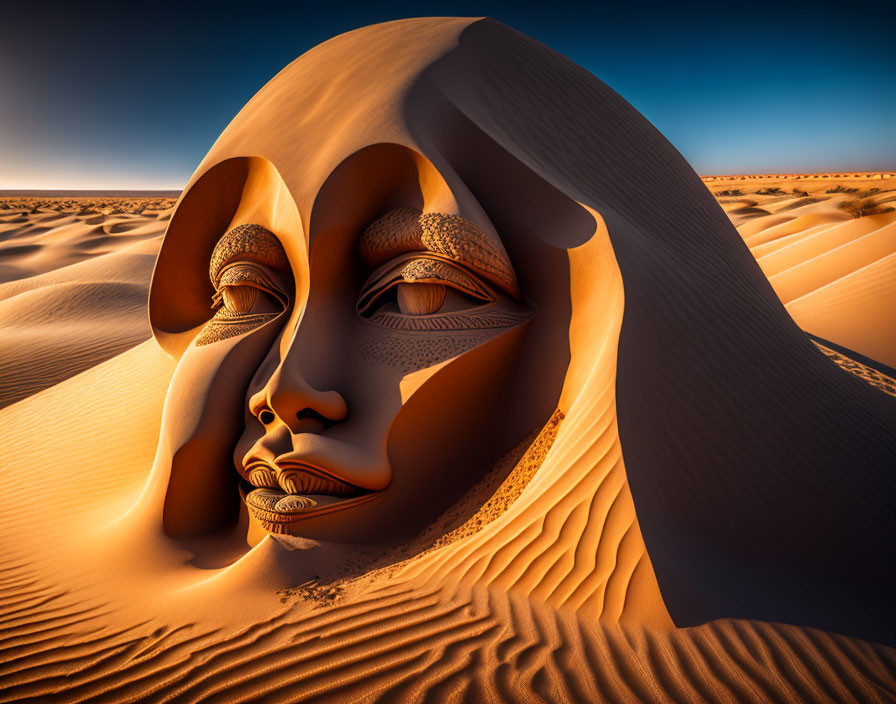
(244, 256)
(406, 229)
(434, 270)
(248, 242)
(243, 273)
(421, 267)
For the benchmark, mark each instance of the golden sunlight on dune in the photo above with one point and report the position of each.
(827, 243)
(448, 400)
(66, 639)
(74, 274)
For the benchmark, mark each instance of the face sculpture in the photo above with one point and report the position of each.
(350, 386)
(389, 274)
(433, 286)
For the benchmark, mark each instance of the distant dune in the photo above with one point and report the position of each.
(702, 518)
(91, 194)
(89, 262)
(74, 274)
(827, 243)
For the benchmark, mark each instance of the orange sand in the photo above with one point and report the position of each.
(480, 619)
(835, 273)
(75, 641)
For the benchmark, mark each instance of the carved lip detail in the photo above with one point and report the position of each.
(280, 494)
(293, 477)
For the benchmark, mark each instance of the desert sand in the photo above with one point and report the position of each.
(560, 576)
(826, 242)
(74, 274)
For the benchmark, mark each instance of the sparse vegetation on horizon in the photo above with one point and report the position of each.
(801, 202)
(860, 207)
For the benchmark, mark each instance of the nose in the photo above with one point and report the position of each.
(287, 395)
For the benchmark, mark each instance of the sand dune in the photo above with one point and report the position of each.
(709, 476)
(811, 248)
(832, 270)
(409, 646)
(61, 637)
(64, 641)
(74, 286)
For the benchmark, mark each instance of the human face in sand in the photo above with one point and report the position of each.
(319, 421)
(379, 370)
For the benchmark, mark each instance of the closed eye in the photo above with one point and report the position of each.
(417, 284)
(245, 288)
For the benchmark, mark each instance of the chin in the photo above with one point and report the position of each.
(285, 513)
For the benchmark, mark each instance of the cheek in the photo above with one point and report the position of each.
(413, 352)
(457, 421)
(207, 392)
(202, 420)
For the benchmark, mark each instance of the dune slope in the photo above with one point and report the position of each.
(757, 468)
(73, 286)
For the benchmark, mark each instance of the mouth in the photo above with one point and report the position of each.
(279, 497)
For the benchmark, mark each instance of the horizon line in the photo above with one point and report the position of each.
(830, 173)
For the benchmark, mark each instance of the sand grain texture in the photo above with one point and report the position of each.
(834, 272)
(653, 499)
(73, 286)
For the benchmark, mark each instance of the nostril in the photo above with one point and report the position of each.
(311, 414)
(266, 417)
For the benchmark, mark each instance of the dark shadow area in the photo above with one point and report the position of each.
(762, 475)
(180, 291)
(384, 176)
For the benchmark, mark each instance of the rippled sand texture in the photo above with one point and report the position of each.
(73, 281)
(66, 638)
(552, 597)
(832, 265)
(393, 644)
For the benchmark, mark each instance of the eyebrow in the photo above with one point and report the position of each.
(408, 230)
(247, 242)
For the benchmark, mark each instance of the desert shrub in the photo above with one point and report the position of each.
(860, 207)
(730, 192)
(801, 202)
(842, 189)
(798, 192)
(768, 192)
(870, 192)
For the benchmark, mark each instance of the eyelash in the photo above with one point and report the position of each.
(418, 270)
(245, 275)
(225, 323)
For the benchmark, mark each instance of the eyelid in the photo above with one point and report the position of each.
(244, 273)
(422, 267)
(245, 243)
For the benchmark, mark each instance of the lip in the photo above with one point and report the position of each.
(281, 494)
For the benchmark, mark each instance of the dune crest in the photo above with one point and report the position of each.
(829, 262)
(673, 519)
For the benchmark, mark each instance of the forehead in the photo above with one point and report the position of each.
(341, 96)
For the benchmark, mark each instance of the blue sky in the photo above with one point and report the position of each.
(96, 95)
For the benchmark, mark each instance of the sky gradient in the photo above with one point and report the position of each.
(116, 96)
